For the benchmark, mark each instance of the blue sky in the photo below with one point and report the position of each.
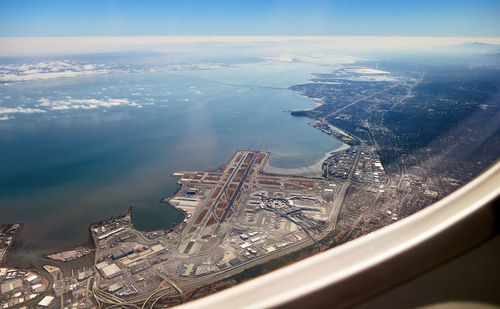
(251, 17)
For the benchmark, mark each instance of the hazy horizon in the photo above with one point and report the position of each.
(43, 46)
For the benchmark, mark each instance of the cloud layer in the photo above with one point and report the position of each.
(45, 105)
(22, 46)
(48, 69)
(70, 103)
(20, 110)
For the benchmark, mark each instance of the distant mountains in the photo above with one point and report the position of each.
(479, 47)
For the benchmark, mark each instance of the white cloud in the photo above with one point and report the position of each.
(48, 70)
(6, 117)
(60, 107)
(71, 103)
(20, 110)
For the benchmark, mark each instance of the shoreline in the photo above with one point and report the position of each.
(313, 170)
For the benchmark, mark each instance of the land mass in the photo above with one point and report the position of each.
(234, 219)
(430, 130)
(411, 137)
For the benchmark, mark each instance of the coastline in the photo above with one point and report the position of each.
(313, 170)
